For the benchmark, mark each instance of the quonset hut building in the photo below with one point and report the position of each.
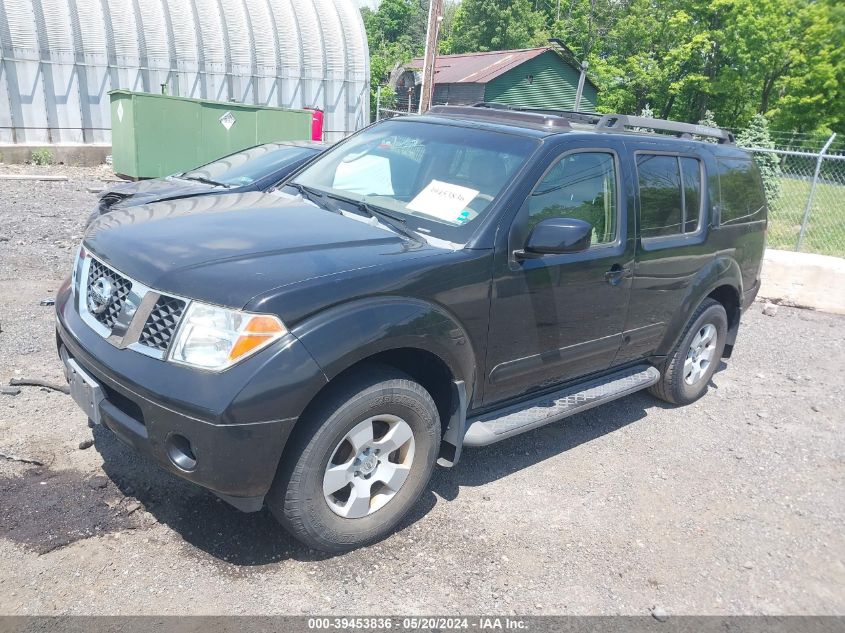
(60, 58)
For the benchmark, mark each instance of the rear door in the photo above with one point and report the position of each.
(559, 317)
(671, 246)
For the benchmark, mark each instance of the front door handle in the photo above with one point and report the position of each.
(616, 274)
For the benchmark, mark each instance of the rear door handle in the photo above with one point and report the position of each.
(616, 274)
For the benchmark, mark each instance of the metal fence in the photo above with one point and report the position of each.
(808, 212)
(388, 113)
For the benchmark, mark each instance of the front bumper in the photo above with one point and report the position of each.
(237, 421)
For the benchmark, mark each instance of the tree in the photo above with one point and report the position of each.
(396, 21)
(780, 58)
(757, 135)
(709, 120)
(736, 57)
(811, 97)
(495, 25)
(646, 113)
(395, 34)
(583, 24)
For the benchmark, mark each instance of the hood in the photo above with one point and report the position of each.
(147, 191)
(230, 248)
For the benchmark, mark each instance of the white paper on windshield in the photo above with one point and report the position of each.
(365, 175)
(443, 201)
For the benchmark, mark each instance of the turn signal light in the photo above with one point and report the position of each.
(259, 331)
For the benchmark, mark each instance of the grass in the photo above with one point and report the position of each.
(826, 229)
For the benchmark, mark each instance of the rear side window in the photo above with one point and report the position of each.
(581, 186)
(670, 194)
(743, 197)
(691, 180)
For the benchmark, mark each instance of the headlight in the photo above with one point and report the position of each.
(215, 338)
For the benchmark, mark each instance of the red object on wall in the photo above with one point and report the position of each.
(316, 124)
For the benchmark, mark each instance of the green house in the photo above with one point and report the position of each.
(533, 77)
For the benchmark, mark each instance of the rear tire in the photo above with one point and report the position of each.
(686, 373)
(359, 461)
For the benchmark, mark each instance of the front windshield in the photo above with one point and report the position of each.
(440, 179)
(245, 167)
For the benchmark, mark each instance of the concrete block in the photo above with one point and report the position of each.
(804, 279)
(89, 155)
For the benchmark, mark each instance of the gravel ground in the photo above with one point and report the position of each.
(734, 505)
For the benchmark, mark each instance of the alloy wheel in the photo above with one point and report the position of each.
(369, 466)
(700, 354)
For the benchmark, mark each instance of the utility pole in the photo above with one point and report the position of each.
(435, 16)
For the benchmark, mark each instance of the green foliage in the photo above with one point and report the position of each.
(388, 97)
(781, 58)
(646, 113)
(42, 156)
(709, 120)
(394, 21)
(734, 57)
(495, 25)
(757, 135)
(811, 96)
(584, 25)
(395, 34)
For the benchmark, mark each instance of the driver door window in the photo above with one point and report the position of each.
(581, 186)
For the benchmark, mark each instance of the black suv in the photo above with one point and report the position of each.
(431, 283)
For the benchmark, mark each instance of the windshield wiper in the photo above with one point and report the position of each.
(396, 223)
(313, 195)
(207, 181)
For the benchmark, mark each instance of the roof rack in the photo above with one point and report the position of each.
(621, 122)
(618, 123)
(504, 114)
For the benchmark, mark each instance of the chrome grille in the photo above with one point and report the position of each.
(120, 287)
(161, 324)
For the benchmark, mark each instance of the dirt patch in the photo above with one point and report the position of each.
(44, 510)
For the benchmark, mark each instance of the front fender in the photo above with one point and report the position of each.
(348, 333)
(721, 271)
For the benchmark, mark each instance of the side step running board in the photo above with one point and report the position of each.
(498, 425)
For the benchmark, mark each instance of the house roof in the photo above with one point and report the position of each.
(478, 68)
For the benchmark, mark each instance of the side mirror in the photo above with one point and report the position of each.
(556, 236)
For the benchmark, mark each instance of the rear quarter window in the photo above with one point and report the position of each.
(741, 188)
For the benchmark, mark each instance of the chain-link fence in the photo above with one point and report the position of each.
(389, 113)
(808, 212)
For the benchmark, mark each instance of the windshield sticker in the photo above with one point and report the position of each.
(444, 201)
(465, 216)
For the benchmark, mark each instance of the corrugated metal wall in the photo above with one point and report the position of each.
(60, 58)
(552, 85)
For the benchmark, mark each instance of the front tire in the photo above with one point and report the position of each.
(359, 462)
(686, 373)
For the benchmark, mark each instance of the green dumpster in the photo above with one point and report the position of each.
(155, 135)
